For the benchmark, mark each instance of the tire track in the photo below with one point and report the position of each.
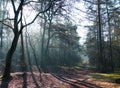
(75, 82)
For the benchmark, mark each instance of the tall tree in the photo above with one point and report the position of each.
(110, 40)
(17, 10)
(3, 5)
(101, 58)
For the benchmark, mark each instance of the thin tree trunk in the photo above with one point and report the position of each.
(48, 41)
(3, 5)
(24, 63)
(42, 45)
(50, 17)
(30, 64)
(36, 59)
(101, 63)
(1, 32)
(110, 42)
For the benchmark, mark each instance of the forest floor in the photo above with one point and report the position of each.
(62, 78)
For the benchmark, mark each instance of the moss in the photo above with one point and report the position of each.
(105, 77)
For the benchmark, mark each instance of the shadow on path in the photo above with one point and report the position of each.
(24, 80)
(5, 83)
(76, 83)
(75, 77)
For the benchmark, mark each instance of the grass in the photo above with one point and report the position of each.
(105, 77)
(0, 76)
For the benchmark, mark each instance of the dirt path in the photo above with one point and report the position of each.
(75, 77)
(78, 78)
(63, 78)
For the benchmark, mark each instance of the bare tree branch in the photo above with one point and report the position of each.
(7, 19)
(20, 6)
(28, 2)
(37, 16)
(13, 4)
(6, 24)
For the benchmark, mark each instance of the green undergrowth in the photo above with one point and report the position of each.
(111, 77)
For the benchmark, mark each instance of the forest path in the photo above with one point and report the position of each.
(75, 77)
(80, 78)
(62, 78)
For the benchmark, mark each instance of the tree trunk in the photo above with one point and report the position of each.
(23, 58)
(43, 42)
(29, 62)
(101, 60)
(1, 32)
(110, 43)
(10, 53)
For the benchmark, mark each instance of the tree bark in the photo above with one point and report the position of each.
(101, 61)
(23, 59)
(110, 43)
(10, 53)
(1, 32)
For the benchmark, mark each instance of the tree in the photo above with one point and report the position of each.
(95, 12)
(110, 40)
(47, 21)
(92, 45)
(65, 44)
(17, 32)
(101, 58)
(105, 20)
(3, 5)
